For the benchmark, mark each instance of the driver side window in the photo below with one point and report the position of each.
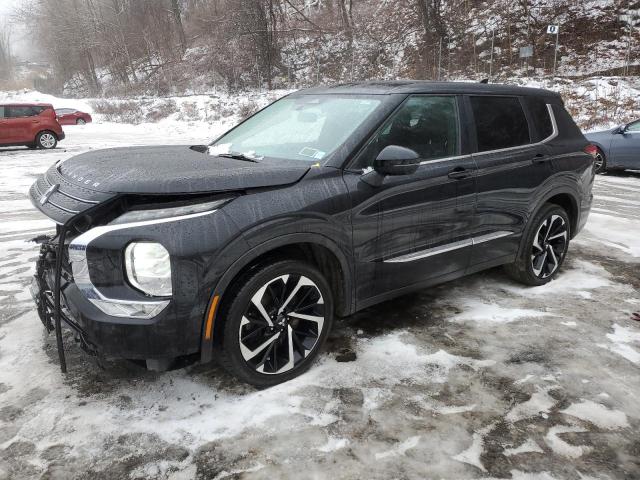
(634, 127)
(425, 124)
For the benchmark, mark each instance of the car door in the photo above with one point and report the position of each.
(4, 127)
(21, 123)
(512, 162)
(412, 229)
(625, 147)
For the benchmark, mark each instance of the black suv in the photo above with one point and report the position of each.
(326, 202)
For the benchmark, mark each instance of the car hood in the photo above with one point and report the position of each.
(81, 182)
(174, 170)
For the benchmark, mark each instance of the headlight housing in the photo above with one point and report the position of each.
(152, 214)
(148, 267)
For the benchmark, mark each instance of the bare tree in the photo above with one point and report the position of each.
(6, 59)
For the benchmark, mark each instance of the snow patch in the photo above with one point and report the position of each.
(529, 446)
(481, 312)
(539, 403)
(597, 414)
(472, 454)
(562, 448)
(399, 449)
(333, 444)
(582, 276)
(619, 233)
(621, 339)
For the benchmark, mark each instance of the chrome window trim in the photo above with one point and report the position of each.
(554, 134)
(80, 267)
(410, 257)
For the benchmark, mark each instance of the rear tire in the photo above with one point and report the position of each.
(545, 245)
(47, 140)
(275, 323)
(600, 162)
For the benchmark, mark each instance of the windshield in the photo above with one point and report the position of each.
(307, 127)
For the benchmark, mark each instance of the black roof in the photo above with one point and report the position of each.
(384, 87)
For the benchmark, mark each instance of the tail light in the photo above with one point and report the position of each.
(591, 150)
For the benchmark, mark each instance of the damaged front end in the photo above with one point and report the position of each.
(53, 275)
(65, 203)
(90, 274)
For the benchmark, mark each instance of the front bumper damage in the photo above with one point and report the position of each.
(53, 275)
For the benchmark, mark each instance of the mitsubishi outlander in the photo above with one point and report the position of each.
(326, 202)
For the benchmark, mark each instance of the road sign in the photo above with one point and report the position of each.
(526, 52)
(553, 29)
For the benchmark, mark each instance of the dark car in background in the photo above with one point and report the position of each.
(326, 202)
(618, 148)
(30, 124)
(70, 116)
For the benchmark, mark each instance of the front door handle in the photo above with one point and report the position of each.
(459, 173)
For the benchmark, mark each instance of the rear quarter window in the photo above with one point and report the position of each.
(566, 126)
(500, 122)
(540, 114)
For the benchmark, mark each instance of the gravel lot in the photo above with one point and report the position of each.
(478, 378)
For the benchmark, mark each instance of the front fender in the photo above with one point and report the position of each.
(264, 248)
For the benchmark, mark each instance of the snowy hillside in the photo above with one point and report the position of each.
(597, 102)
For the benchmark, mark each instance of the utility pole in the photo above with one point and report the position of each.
(493, 36)
(439, 58)
(555, 53)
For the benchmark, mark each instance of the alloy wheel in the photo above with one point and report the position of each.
(549, 246)
(47, 140)
(598, 162)
(80, 121)
(282, 324)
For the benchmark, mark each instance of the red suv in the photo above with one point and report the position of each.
(31, 124)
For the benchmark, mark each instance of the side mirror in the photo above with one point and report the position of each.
(396, 160)
(621, 129)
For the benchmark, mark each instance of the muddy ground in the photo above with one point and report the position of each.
(478, 378)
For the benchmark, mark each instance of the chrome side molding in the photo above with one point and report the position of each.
(429, 252)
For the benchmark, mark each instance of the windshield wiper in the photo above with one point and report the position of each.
(237, 156)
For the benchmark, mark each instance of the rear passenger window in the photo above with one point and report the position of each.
(20, 111)
(540, 114)
(1, 112)
(500, 122)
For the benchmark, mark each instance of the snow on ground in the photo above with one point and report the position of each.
(478, 378)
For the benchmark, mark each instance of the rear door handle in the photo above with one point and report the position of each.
(540, 158)
(459, 173)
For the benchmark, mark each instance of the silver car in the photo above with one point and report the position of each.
(618, 148)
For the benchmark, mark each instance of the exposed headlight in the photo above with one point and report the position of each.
(134, 216)
(148, 268)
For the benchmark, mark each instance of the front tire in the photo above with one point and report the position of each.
(46, 140)
(80, 121)
(276, 323)
(600, 162)
(545, 247)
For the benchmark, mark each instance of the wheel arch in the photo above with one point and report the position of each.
(315, 249)
(562, 197)
(45, 130)
(569, 203)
